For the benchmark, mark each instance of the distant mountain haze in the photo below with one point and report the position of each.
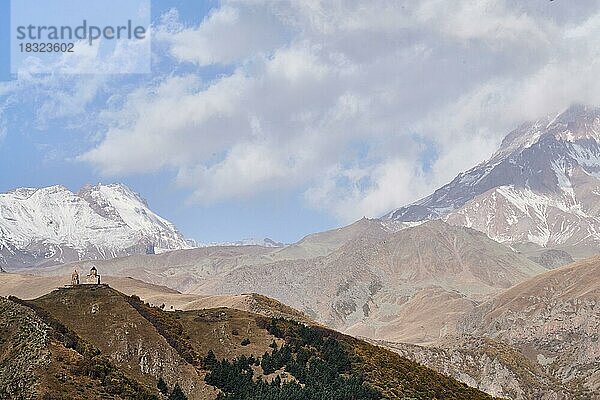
(363, 278)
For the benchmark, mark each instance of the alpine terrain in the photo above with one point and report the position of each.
(53, 225)
(363, 279)
(537, 340)
(93, 342)
(539, 191)
(463, 272)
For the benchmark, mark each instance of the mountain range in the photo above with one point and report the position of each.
(363, 279)
(538, 193)
(471, 281)
(53, 225)
(535, 340)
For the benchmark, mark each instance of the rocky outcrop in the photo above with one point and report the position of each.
(24, 340)
(552, 258)
(491, 366)
(554, 319)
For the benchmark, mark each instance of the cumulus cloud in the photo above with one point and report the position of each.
(332, 96)
(369, 191)
(228, 34)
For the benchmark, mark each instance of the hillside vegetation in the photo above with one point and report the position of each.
(119, 347)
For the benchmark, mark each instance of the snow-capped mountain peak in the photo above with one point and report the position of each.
(52, 224)
(578, 122)
(541, 186)
(119, 203)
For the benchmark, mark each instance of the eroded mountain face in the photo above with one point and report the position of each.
(381, 284)
(542, 186)
(54, 225)
(539, 339)
(553, 319)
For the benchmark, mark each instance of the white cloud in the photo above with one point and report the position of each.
(328, 96)
(228, 34)
(488, 20)
(246, 169)
(354, 192)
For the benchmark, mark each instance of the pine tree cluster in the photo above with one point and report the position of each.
(319, 364)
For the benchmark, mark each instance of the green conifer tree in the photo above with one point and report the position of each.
(177, 393)
(162, 386)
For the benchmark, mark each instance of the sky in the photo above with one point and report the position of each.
(282, 118)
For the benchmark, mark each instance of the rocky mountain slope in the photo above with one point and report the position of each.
(381, 284)
(554, 319)
(409, 285)
(539, 339)
(53, 225)
(92, 342)
(494, 367)
(185, 269)
(542, 186)
(42, 359)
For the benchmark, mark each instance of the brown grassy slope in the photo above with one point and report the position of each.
(269, 307)
(36, 364)
(223, 330)
(576, 281)
(394, 376)
(149, 343)
(146, 343)
(103, 317)
(32, 286)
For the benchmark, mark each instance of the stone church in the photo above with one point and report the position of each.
(93, 278)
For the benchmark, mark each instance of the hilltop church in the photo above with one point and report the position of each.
(91, 279)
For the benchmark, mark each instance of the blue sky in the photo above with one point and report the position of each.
(4, 39)
(278, 119)
(36, 156)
